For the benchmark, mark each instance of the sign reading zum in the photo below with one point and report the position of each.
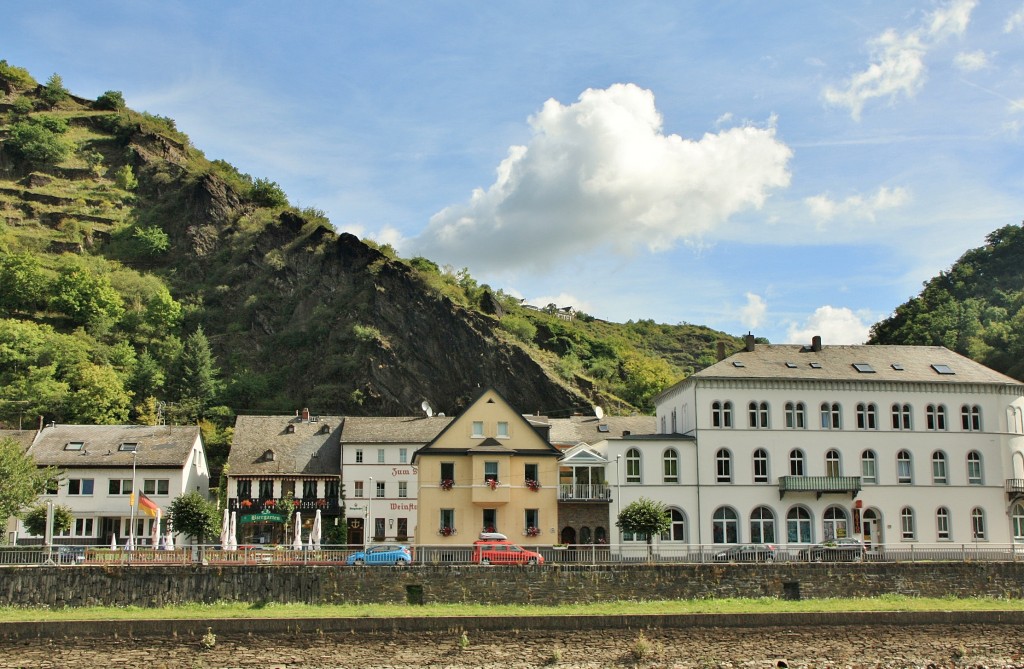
(263, 516)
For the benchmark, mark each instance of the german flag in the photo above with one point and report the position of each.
(147, 505)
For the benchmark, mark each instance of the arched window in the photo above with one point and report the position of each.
(600, 535)
(1017, 517)
(585, 537)
(798, 525)
(942, 524)
(867, 416)
(796, 462)
(725, 526)
(936, 417)
(907, 531)
(978, 524)
(869, 467)
(796, 416)
(677, 532)
(673, 421)
(939, 474)
(904, 467)
(760, 466)
(970, 418)
(757, 414)
(901, 417)
(762, 526)
(974, 473)
(831, 416)
(721, 414)
(633, 466)
(833, 466)
(835, 523)
(723, 466)
(670, 464)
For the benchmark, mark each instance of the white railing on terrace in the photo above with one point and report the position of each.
(583, 492)
(433, 554)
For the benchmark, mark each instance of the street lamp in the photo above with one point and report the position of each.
(369, 516)
(618, 492)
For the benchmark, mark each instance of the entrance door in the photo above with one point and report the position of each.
(872, 527)
(355, 532)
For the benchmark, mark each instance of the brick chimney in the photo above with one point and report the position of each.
(721, 350)
(816, 343)
(305, 415)
(748, 342)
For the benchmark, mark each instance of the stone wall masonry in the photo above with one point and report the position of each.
(151, 586)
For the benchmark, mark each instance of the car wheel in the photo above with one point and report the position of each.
(769, 558)
(485, 561)
(532, 561)
(401, 562)
(359, 563)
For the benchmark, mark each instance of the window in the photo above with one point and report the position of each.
(867, 416)
(447, 524)
(725, 526)
(478, 428)
(673, 422)
(490, 471)
(677, 532)
(156, 486)
(671, 466)
(358, 491)
(758, 414)
(502, 428)
(904, 467)
(380, 488)
(833, 464)
(974, 468)
(864, 368)
(939, 475)
(907, 531)
(403, 489)
(119, 487)
(943, 369)
(448, 471)
(490, 520)
(936, 417)
(760, 466)
(378, 529)
(309, 489)
(633, 466)
(723, 466)
(74, 446)
(403, 456)
(869, 467)
(796, 462)
(795, 415)
(762, 526)
(721, 414)
(531, 518)
(81, 527)
(1017, 517)
(798, 525)
(835, 523)
(901, 416)
(80, 486)
(266, 488)
(978, 523)
(530, 472)
(128, 446)
(243, 489)
(830, 416)
(403, 529)
(942, 524)
(380, 456)
(331, 489)
(970, 418)
(359, 455)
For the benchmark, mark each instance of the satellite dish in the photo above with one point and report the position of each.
(427, 409)
(599, 412)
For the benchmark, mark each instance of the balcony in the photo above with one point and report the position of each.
(491, 493)
(820, 485)
(326, 506)
(584, 492)
(1015, 488)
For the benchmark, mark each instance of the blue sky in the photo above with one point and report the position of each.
(788, 169)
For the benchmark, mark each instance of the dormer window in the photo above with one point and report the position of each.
(268, 455)
(74, 446)
(289, 430)
(129, 446)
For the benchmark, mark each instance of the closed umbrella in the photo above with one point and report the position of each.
(297, 544)
(129, 544)
(169, 539)
(232, 529)
(314, 533)
(113, 542)
(224, 531)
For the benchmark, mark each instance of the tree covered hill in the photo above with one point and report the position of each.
(142, 281)
(976, 308)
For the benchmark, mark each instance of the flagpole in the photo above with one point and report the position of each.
(134, 500)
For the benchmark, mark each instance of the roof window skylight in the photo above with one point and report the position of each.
(943, 369)
(815, 365)
(897, 366)
(603, 427)
(737, 363)
(129, 446)
(863, 368)
(791, 365)
(74, 445)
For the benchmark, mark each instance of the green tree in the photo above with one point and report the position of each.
(150, 240)
(195, 516)
(23, 281)
(198, 376)
(645, 517)
(18, 76)
(125, 179)
(36, 144)
(98, 396)
(23, 481)
(86, 297)
(147, 377)
(110, 101)
(267, 193)
(53, 92)
(35, 519)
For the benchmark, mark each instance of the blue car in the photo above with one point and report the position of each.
(382, 554)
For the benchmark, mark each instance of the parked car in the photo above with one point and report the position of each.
(748, 553)
(396, 554)
(835, 550)
(488, 550)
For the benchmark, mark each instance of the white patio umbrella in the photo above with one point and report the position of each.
(113, 542)
(314, 533)
(297, 544)
(156, 529)
(232, 529)
(129, 543)
(169, 539)
(224, 531)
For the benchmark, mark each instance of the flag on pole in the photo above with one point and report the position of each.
(148, 506)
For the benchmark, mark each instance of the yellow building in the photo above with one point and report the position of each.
(490, 470)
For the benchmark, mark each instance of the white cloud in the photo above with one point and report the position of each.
(752, 314)
(835, 325)
(824, 208)
(1014, 21)
(898, 59)
(971, 61)
(601, 172)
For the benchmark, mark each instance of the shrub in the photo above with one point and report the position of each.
(21, 108)
(54, 92)
(125, 178)
(18, 76)
(521, 328)
(151, 240)
(267, 193)
(110, 101)
(36, 144)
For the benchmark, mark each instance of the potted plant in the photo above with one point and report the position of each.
(532, 531)
(493, 483)
(246, 503)
(533, 484)
(446, 531)
(447, 484)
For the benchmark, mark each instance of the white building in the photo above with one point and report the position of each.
(102, 464)
(797, 444)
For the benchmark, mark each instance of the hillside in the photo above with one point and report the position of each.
(976, 308)
(144, 282)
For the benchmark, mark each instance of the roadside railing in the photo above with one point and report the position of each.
(588, 554)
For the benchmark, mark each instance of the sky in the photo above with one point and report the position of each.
(786, 169)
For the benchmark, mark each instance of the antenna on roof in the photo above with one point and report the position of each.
(599, 412)
(427, 409)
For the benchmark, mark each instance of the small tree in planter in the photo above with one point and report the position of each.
(645, 517)
(193, 515)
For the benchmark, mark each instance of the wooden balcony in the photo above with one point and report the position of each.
(584, 492)
(820, 485)
(255, 505)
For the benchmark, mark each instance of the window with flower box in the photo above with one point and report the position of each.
(531, 522)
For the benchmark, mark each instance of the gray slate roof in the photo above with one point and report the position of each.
(312, 449)
(575, 429)
(22, 437)
(167, 446)
(768, 361)
(394, 430)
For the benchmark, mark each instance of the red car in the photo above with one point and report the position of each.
(501, 551)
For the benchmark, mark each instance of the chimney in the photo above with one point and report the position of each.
(305, 415)
(816, 343)
(721, 350)
(748, 342)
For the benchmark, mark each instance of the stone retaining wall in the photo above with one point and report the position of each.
(161, 585)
